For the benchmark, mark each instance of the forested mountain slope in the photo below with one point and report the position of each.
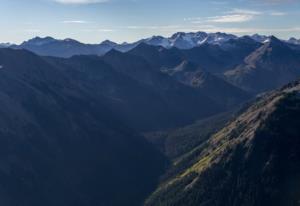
(61, 145)
(253, 161)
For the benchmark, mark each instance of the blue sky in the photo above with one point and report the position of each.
(93, 21)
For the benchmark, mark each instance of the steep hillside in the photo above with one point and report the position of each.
(212, 86)
(253, 161)
(240, 47)
(183, 104)
(61, 145)
(212, 58)
(178, 141)
(270, 66)
(158, 57)
(130, 99)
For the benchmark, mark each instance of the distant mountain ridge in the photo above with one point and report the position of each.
(49, 46)
(270, 66)
(212, 86)
(210, 57)
(5, 45)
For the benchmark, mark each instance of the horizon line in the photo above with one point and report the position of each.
(137, 40)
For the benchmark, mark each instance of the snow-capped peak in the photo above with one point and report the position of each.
(183, 40)
(260, 38)
(158, 41)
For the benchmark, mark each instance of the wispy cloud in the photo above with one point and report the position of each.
(234, 18)
(105, 30)
(277, 13)
(245, 12)
(80, 1)
(75, 22)
(243, 31)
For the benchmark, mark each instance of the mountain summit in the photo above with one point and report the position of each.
(273, 61)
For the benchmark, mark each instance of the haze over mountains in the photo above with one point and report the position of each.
(194, 119)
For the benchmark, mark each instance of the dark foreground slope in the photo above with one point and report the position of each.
(62, 146)
(254, 161)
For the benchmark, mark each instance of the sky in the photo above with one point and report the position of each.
(92, 21)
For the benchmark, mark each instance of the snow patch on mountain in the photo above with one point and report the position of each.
(180, 40)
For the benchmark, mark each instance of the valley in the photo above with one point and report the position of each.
(192, 119)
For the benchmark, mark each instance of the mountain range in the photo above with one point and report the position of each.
(49, 46)
(135, 91)
(60, 142)
(193, 119)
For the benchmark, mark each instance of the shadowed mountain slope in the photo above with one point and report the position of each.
(61, 145)
(272, 65)
(210, 57)
(212, 86)
(183, 103)
(158, 57)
